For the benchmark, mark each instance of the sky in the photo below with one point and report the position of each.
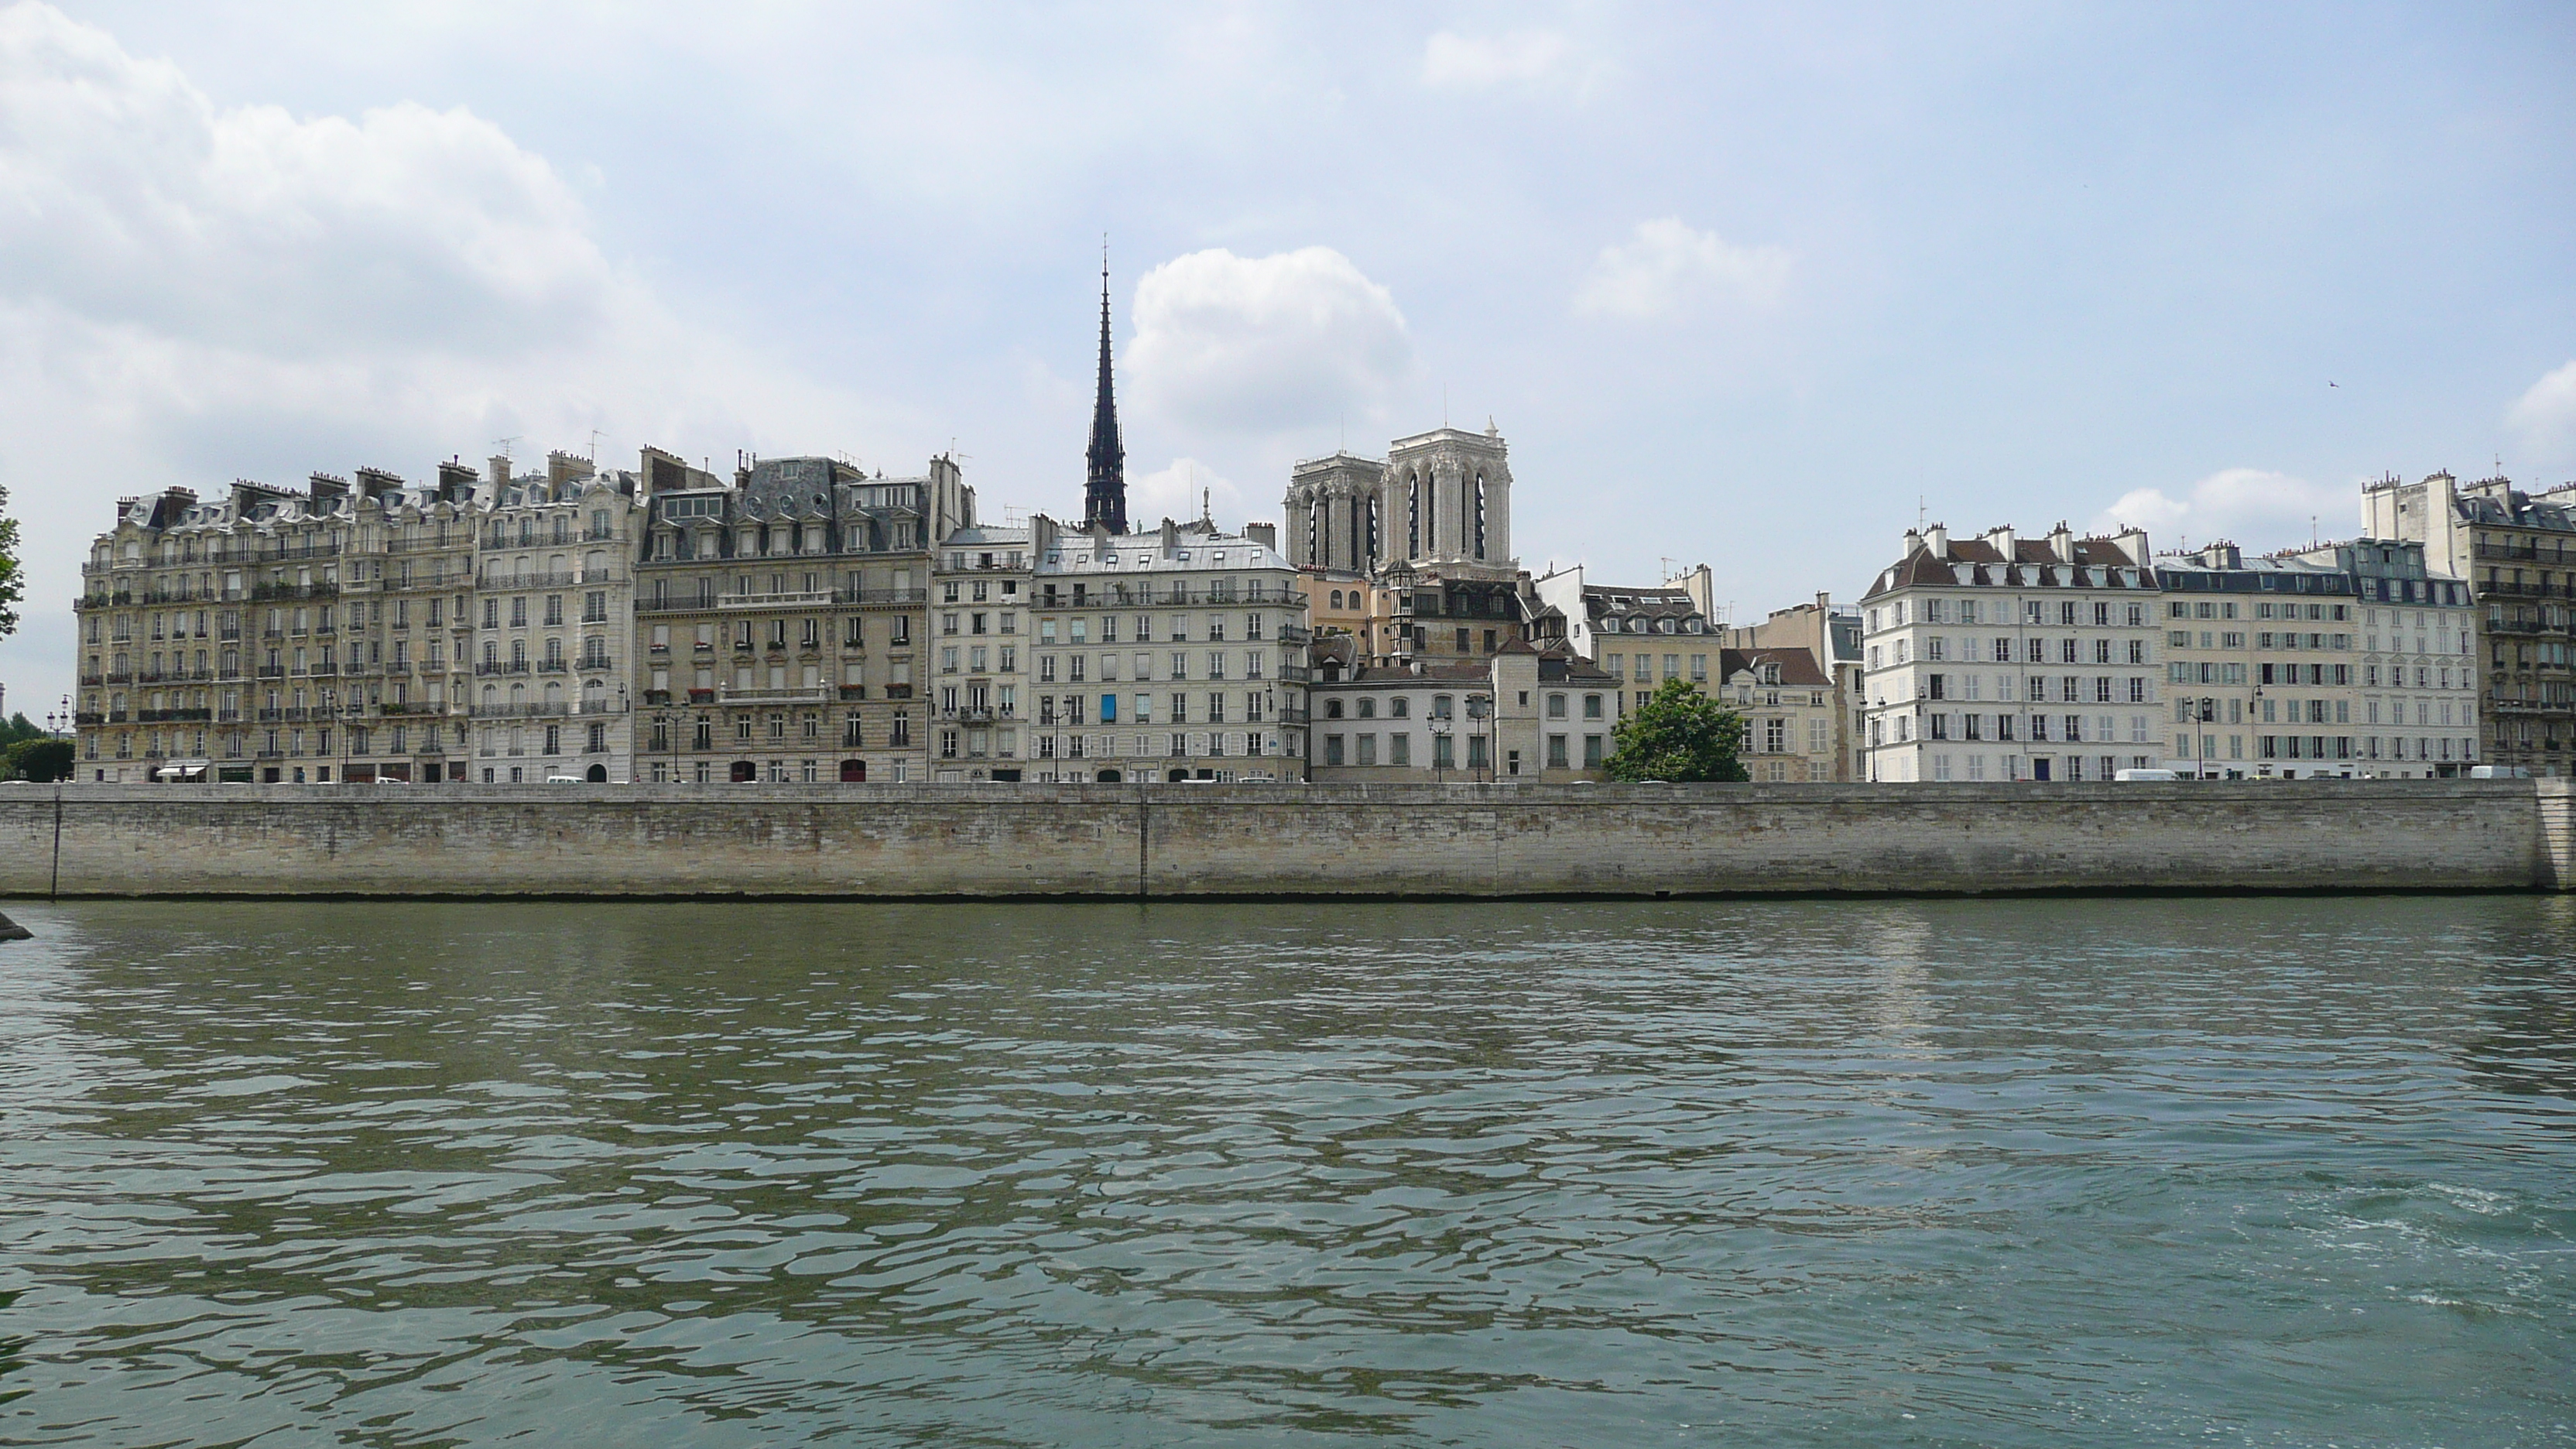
(1757, 287)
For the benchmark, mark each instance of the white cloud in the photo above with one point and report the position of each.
(1669, 269)
(2252, 508)
(2545, 415)
(126, 196)
(1264, 345)
(190, 293)
(1176, 492)
(1451, 61)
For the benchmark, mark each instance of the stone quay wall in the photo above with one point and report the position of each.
(1160, 841)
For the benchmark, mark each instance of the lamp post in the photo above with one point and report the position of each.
(1479, 711)
(1440, 727)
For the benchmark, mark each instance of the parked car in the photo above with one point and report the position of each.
(2145, 774)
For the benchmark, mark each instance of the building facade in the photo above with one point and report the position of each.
(1829, 634)
(1523, 715)
(1178, 654)
(784, 617)
(979, 601)
(2349, 660)
(2002, 658)
(278, 636)
(1444, 496)
(553, 624)
(2517, 552)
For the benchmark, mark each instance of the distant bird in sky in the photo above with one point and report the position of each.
(2330, 382)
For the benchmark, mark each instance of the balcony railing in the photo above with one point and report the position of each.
(294, 591)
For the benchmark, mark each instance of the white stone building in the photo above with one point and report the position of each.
(554, 624)
(1175, 654)
(2002, 658)
(979, 599)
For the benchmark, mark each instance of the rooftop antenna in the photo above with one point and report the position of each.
(595, 436)
(505, 444)
(1922, 515)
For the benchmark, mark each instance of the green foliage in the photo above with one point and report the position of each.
(1679, 735)
(13, 582)
(18, 727)
(41, 760)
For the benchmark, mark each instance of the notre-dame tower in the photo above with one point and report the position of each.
(1442, 497)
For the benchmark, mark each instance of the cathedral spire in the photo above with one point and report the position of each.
(1104, 495)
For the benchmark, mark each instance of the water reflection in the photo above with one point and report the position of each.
(2024, 1171)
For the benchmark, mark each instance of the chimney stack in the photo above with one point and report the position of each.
(2061, 543)
(1938, 541)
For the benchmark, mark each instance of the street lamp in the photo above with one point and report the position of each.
(1440, 727)
(1479, 710)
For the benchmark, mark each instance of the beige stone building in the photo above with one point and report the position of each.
(785, 619)
(1793, 716)
(1829, 636)
(2516, 550)
(279, 636)
(2349, 660)
(1525, 714)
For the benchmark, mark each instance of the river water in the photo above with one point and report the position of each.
(2206, 1171)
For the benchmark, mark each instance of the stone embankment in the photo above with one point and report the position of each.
(1159, 841)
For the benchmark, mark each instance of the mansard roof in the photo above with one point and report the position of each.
(1798, 667)
(2098, 563)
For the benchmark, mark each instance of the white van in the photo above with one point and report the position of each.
(2142, 774)
(563, 779)
(2499, 772)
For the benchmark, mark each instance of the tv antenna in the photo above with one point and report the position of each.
(505, 444)
(595, 436)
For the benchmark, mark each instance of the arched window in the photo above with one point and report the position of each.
(1412, 514)
(1332, 709)
(1480, 515)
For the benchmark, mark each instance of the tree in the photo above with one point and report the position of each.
(42, 761)
(1680, 735)
(18, 727)
(13, 584)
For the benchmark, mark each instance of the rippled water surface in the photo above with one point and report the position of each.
(2021, 1172)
